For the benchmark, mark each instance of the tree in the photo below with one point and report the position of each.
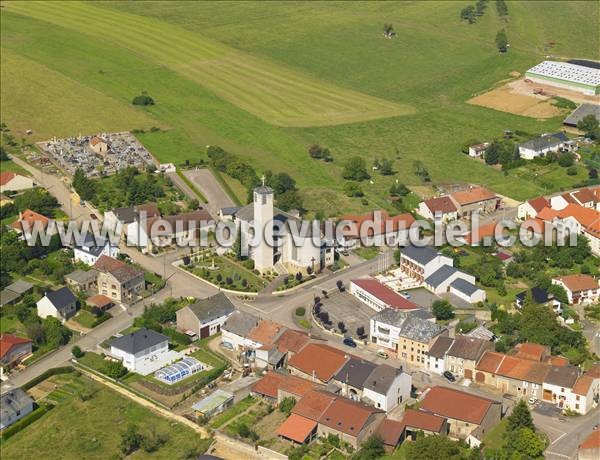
(399, 190)
(193, 204)
(290, 200)
(286, 405)
(502, 41)
(593, 173)
(3, 154)
(55, 333)
(355, 168)
(468, 14)
(76, 352)
(385, 167)
(360, 331)
(114, 369)
(353, 189)
(566, 160)
(519, 418)
(572, 171)
(143, 99)
(324, 316)
(131, 440)
(341, 327)
(526, 442)
(492, 153)
(442, 310)
(433, 448)
(420, 171)
(589, 125)
(502, 8)
(372, 448)
(84, 186)
(340, 285)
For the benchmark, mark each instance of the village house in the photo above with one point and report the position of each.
(469, 416)
(317, 362)
(378, 296)
(14, 405)
(82, 280)
(436, 357)
(581, 289)
(368, 230)
(121, 282)
(143, 351)
(128, 215)
(419, 263)
(92, 248)
(585, 197)
(13, 350)
(13, 182)
(442, 208)
(589, 449)
(558, 385)
(541, 145)
(30, 220)
(60, 304)
(475, 199)
(463, 355)
(531, 208)
(205, 317)
(276, 386)
(405, 335)
(539, 296)
(415, 421)
(236, 329)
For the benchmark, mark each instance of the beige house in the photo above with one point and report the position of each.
(98, 146)
(119, 281)
(10, 181)
(474, 199)
(462, 356)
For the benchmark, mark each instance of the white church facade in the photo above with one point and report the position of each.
(287, 244)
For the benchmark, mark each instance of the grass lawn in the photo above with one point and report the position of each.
(226, 269)
(11, 166)
(92, 428)
(232, 412)
(11, 325)
(85, 318)
(367, 252)
(247, 81)
(494, 438)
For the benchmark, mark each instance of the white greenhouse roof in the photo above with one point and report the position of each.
(569, 72)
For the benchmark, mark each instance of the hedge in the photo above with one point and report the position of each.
(49, 373)
(26, 421)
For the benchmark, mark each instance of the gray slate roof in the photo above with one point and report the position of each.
(421, 313)
(240, 323)
(20, 287)
(390, 316)
(381, 378)
(125, 215)
(13, 401)
(580, 112)
(211, 308)
(82, 276)
(61, 298)
(420, 330)
(139, 340)
(467, 347)
(440, 275)
(440, 347)
(464, 286)
(355, 372)
(482, 332)
(545, 141)
(422, 255)
(563, 376)
(7, 297)
(229, 211)
(92, 245)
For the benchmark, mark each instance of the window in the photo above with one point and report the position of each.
(577, 398)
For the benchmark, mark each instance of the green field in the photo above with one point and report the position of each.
(92, 428)
(267, 82)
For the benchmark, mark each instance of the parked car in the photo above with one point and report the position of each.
(382, 354)
(227, 345)
(93, 216)
(449, 376)
(349, 341)
(406, 295)
(532, 400)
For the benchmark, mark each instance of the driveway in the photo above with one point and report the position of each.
(206, 182)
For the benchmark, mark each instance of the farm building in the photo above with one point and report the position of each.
(565, 75)
(580, 112)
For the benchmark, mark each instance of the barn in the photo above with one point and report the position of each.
(581, 78)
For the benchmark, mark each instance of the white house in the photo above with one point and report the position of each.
(92, 248)
(387, 387)
(378, 296)
(10, 181)
(581, 289)
(439, 282)
(60, 304)
(436, 357)
(558, 385)
(543, 144)
(531, 208)
(205, 317)
(467, 291)
(143, 351)
(477, 150)
(14, 405)
(442, 208)
(585, 392)
(420, 262)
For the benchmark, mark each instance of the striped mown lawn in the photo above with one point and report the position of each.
(272, 92)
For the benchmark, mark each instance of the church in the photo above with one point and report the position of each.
(294, 249)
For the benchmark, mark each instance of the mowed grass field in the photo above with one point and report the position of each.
(92, 429)
(276, 94)
(248, 76)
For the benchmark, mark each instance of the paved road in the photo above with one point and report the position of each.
(565, 437)
(211, 188)
(185, 188)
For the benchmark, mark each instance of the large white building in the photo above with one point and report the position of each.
(566, 75)
(287, 243)
(90, 251)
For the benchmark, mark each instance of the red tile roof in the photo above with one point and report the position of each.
(273, 381)
(584, 195)
(390, 431)
(421, 420)
(120, 270)
(313, 404)
(7, 341)
(532, 351)
(539, 203)
(582, 385)
(297, 428)
(386, 223)
(473, 195)
(385, 294)
(576, 283)
(266, 332)
(594, 371)
(592, 441)
(442, 204)
(95, 140)
(482, 231)
(292, 340)
(523, 369)
(490, 362)
(457, 405)
(347, 416)
(6, 177)
(323, 360)
(99, 300)
(30, 217)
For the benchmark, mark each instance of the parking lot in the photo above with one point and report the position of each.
(422, 297)
(343, 306)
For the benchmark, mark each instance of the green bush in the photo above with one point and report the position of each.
(143, 99)
(26, 421)
(300, 311)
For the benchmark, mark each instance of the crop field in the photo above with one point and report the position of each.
(267, 82)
